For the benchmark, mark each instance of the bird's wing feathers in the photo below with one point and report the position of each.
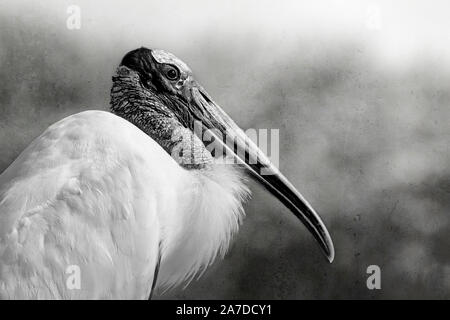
(71, 200)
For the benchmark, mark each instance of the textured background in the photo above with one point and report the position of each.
(359, 90)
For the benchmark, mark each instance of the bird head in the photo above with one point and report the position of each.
(172, 93)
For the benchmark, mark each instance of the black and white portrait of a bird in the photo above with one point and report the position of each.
(134, 197)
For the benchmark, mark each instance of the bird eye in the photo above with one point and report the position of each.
(171, 72)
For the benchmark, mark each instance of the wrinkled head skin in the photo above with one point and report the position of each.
(163, 96)
(171, 79)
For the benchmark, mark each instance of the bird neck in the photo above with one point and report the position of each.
(152, 113)
(200, 230)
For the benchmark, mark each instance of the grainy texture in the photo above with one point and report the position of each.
(364, 131)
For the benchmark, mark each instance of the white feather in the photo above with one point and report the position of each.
(95, 191)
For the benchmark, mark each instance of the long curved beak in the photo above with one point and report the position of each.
(238, 145)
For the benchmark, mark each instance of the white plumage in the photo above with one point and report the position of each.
(95, 191)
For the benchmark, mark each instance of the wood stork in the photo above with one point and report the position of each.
(133, 198)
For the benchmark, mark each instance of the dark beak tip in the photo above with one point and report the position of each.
(328, 247)
(330, 254)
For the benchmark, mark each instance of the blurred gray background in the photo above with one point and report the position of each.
(360, 91)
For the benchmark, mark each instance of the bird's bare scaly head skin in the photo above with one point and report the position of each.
(172, 73)
(172, 85)
(158, 93)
